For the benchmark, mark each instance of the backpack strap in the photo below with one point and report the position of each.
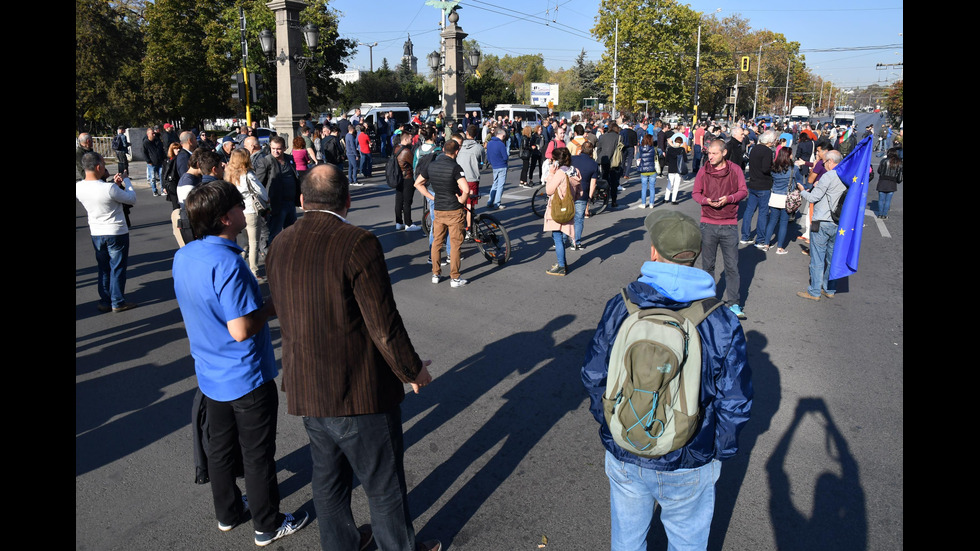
(700, 309)
(696, 312)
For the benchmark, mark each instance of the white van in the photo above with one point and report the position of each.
(373, 112)
(799, 113)
(528, 113)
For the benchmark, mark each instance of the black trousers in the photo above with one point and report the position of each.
(404, 195)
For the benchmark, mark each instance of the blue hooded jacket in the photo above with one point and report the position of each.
(726, 380)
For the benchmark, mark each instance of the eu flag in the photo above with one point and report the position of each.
(853, 171)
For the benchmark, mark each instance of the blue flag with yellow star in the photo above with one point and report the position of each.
(854, 172)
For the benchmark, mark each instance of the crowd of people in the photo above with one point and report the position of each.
(319, 265)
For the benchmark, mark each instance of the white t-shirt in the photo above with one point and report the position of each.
(104, 203)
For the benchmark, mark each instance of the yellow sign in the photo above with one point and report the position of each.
(745, 63)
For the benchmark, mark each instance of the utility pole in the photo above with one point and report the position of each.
(786, 95)
(370, 53)
(248, 103)
(615, 85)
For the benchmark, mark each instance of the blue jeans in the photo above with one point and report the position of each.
(648, 184)
(777, 217)
(821, 251)
(352, 169)
(697, 159)
(579, 222)
(153, 175)
(884, 202)
(371, 447)
(365, 163)
(432, 220)
(112, 255)
(686, 498)
(249, 421)
(758, 200)
(281, 220)
(497, 189)
(560, 239)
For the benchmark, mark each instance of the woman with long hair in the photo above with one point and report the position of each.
(784, 171)
(527, 141)
(889, 176)
(239, 172)
(560, 172)
(303, 156)
(168, 165)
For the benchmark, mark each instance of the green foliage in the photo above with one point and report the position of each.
(108, 51)
(139, 61)
(894, 102)
(521, 71)
(490, 89)
(183, 78)
(656, 40)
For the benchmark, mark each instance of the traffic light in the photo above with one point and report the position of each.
(745, 63)
(257, 85)
(237, 87)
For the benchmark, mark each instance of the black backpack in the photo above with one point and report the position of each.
(393, 172)
(835, 213)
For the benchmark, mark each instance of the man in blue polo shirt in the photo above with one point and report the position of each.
(226, 321)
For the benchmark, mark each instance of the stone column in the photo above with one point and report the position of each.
(292, 100)
(453, 102)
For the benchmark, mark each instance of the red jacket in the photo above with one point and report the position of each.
(714, 183)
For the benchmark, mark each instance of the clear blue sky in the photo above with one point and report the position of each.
(559, 30)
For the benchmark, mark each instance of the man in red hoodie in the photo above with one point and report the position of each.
(718, 188)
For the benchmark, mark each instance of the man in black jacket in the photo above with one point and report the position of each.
(278, 174)
(736, 147)
(760, 187)
(153, 153)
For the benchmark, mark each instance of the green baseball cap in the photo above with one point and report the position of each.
(673, 233)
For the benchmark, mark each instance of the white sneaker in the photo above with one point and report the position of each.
(436, 278)
(399, 226)
(413, 227)
(458, 282)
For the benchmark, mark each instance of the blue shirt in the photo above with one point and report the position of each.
(214, 286)
(589, 169)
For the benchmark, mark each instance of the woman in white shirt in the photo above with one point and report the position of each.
(239, 172)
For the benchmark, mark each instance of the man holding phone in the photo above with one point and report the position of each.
(718, 189)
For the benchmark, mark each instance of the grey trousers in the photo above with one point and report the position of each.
(725, 236)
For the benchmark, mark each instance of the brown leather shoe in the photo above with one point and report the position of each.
(804, 294)
(124, 306)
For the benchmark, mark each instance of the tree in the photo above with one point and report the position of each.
(521, 71)
(894, 103)
(657, 40)
(108, 53)
(183, 79)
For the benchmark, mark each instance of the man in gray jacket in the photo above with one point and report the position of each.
(824, 196)
(471, 157)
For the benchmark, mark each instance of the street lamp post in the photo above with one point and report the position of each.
(292, 99)
(453, 102)
(697, 71)
(758, 71)
(370, 52)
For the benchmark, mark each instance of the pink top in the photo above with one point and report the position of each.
(302, 158)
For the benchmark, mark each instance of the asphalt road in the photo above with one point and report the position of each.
(501, 449)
